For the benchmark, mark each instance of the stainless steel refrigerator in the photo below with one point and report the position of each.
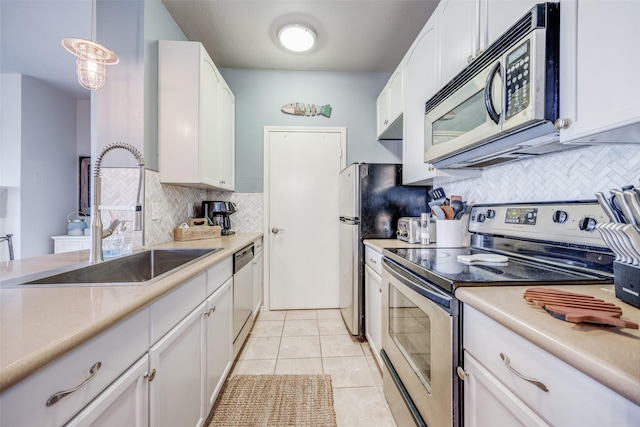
(372, 199)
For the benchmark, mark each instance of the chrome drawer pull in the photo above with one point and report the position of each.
(59, 395)
(533, 381)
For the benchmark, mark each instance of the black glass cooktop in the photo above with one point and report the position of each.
(441, 267)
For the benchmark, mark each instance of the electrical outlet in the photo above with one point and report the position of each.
(190, 210)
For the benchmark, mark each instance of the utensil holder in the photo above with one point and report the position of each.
(627, 283)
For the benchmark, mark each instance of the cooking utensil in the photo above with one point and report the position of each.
(618, 198)
(606, 207)
(437, 211)
(437, 195)
(618, 238)
(458, 207)
(631, 197)
(449, 212)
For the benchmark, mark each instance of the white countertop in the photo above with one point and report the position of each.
(39, 324)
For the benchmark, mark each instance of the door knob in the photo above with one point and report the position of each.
(276, 230)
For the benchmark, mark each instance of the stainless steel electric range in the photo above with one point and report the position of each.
(549, 243)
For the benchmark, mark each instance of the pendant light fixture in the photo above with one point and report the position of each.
(92, 58)
(297, 38)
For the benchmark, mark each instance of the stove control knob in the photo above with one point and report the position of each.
(491, 213)
(560, 216)
(587, 224)
(481, 218)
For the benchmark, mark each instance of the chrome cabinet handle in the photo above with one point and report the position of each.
(61, 394)
(150, 375)
(372, 260)
(210, 311)
(276, 230)
(533, 381)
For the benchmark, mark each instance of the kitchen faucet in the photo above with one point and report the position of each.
(97, 233)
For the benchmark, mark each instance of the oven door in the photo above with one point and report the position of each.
(420, 343)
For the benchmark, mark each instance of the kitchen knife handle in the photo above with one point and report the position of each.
(507, 363)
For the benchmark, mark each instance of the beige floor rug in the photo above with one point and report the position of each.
(276, 401)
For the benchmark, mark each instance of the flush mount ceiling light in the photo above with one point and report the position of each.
(92, 58)
(297, 38)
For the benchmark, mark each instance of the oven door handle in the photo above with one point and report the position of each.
(418, 284)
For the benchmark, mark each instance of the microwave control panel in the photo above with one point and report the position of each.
(518, 79)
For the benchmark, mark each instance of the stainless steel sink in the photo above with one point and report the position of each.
(138, 268)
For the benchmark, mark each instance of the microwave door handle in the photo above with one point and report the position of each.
(488, 93)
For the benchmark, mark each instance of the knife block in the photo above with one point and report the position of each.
(627, 283)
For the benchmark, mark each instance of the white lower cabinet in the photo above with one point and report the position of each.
(124, 403)
(162, 366)
(508, 376)
(175, 394)
(373, 301)
(218, 341)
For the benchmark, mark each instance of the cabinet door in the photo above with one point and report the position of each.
(421, 75)
(210, 113)
(394, 89)
(597, 70)
(218, 341)
(382, 108)
(124, 403)
(175, 394)
(498, 16)
(487, 400)
(226, 144)
(373, 311)
(459, 31)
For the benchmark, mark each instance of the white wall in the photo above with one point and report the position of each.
(10, 107)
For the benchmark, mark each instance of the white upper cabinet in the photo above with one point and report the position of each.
(389, 107)
(459, 35)
(421, 65)
(599, 62)
(498, 16)
(196, 118)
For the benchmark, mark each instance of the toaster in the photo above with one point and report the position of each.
(409, 229)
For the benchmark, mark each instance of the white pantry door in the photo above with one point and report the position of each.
(301, 216)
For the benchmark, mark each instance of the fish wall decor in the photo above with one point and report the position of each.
(309, 110)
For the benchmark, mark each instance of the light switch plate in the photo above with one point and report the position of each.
(155, 211)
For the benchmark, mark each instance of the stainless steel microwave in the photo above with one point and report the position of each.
(503, 105)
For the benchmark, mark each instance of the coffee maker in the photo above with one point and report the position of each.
(218, 213)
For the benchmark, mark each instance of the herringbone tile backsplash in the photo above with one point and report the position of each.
(570, 175)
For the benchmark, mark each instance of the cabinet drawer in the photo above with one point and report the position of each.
(176, 305)
(218, 274)
(373, 259)
(116, 349)
(573, 398)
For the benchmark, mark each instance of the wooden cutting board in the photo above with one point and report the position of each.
(577, 308)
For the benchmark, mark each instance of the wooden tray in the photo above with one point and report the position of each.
(197, 233)
(577, 308)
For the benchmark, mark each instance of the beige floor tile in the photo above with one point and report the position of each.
(299, 347)
(310, 366)
(272, 315)
(302, 314)
(260, 348)
(361, 407)
(254, 367)
(375, 370)
(332, 327)
(329, 313)
(299, 328)
(348, 371)
(340, 345)
(267, 328)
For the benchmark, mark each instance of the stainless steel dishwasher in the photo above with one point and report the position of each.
(242, 296)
